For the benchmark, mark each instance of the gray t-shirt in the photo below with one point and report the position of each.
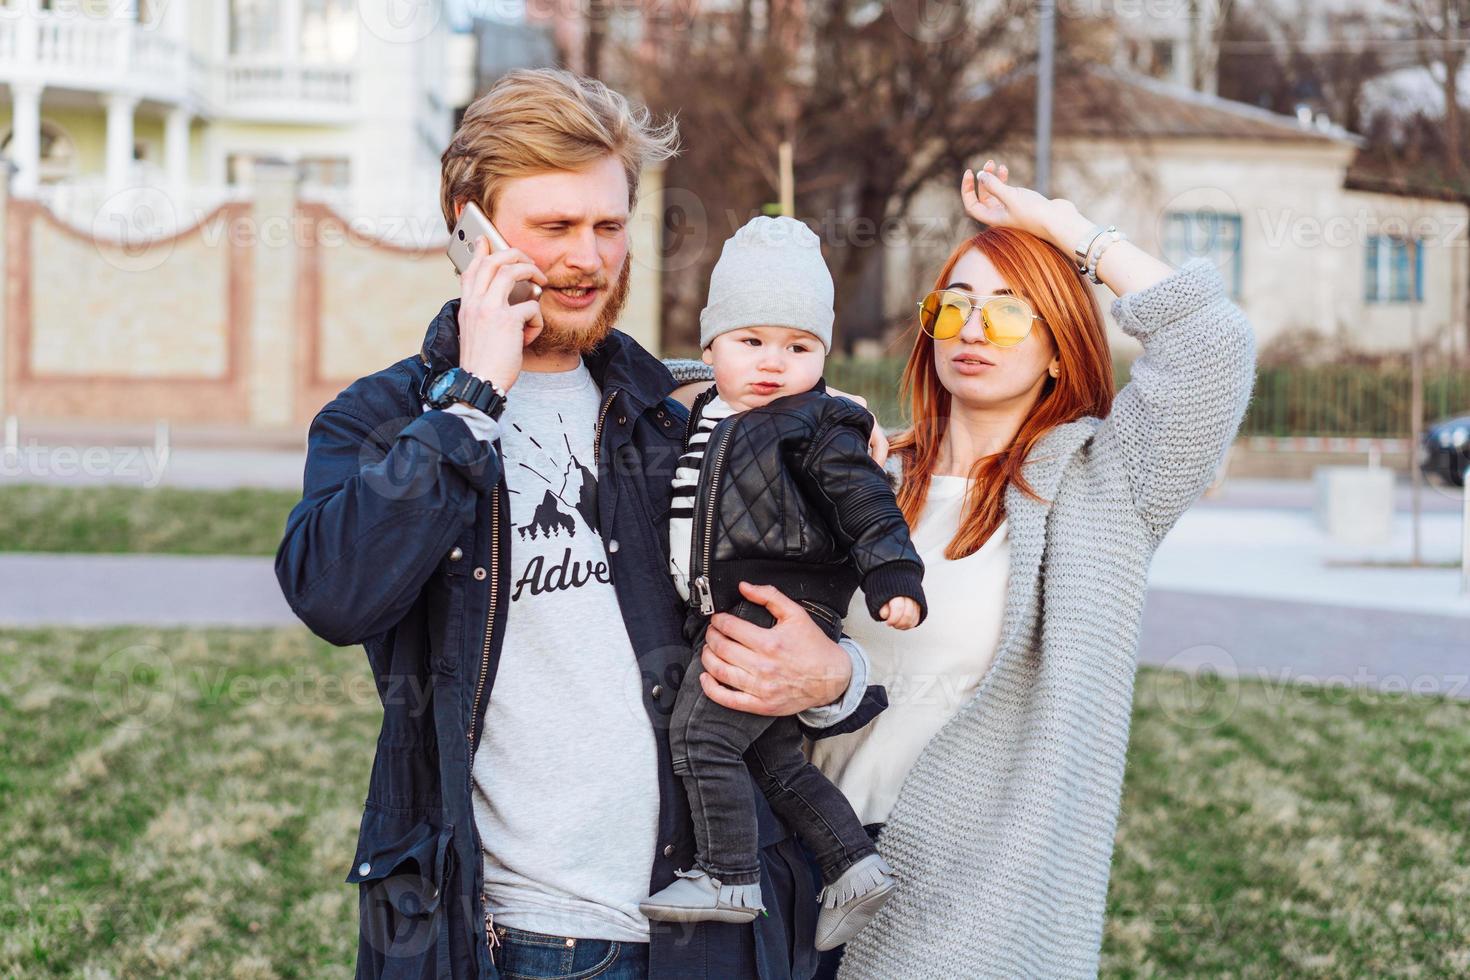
(568, 813)
(566, 774)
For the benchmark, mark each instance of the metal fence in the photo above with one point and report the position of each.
(1329, 400)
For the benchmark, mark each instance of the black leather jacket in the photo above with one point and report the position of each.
(788, 496)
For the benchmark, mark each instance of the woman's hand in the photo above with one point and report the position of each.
(878, 441)
(1124, 267)
(990, 200)
(778, 670)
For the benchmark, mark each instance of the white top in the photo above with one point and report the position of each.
(684, 489)
(930, 671)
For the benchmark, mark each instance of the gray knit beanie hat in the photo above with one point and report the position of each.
(770, 273)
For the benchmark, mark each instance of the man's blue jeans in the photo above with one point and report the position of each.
(524, 955)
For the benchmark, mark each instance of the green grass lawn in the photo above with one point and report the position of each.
(244, 521)
(1273, 830)
(185, 804)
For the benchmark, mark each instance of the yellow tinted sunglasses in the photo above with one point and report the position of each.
(1007, 319)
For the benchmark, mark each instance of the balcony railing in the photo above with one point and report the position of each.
(274, 88)
(67, 50)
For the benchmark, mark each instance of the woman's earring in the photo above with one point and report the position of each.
(1055, 372)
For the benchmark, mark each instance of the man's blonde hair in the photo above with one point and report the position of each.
(537, 120)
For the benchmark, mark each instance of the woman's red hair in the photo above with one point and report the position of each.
(1046, 278)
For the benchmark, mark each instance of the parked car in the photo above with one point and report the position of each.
(1445, 452)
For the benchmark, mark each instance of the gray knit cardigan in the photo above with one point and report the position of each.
(1003, 830)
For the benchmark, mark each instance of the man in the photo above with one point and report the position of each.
(485, 518)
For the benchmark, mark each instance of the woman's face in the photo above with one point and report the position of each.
(976, 372)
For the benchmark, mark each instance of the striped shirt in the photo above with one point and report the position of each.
(685, 486)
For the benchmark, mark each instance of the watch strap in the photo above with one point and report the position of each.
(476, 392)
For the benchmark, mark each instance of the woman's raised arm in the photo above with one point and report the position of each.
(1173, 421)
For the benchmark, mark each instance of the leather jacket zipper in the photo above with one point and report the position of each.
(816, 610)
(700, 564)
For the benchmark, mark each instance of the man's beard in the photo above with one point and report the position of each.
(559, 338)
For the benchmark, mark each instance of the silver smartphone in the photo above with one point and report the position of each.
(473, 225)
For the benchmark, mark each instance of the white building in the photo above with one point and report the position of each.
(1305, 243)
(102, 99)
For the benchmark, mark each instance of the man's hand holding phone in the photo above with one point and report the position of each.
(493, 333)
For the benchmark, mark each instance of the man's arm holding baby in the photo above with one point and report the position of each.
(788, 668)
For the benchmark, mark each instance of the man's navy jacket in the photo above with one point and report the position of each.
(398, 544)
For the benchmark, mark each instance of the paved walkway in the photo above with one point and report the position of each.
(1243, 592)
(155, 590)
(1280, 642)
(145, 466)
(1279, 554)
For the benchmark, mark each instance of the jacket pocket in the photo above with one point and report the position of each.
(402, 867)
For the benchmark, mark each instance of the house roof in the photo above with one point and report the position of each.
(1101, 101)
(1382, 175)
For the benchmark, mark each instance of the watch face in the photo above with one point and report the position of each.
(442, 384)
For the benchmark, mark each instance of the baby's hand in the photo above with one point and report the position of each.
(900, 612)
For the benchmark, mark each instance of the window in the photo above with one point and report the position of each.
(1205, 234)
(58, 153)
(324, 171)
(240, 167)
(1386, 274)
(1162, 50)
(253, 27)
(328, 30)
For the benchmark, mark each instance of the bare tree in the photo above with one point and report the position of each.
(878, 99)
(1442, 28)
(1266, 59)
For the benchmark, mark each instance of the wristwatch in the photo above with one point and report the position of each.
(458, 385)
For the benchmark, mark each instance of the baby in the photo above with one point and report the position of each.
(775, 487)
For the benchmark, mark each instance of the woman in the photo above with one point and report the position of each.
(1037, 500)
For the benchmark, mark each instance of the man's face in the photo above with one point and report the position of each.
(574, 226)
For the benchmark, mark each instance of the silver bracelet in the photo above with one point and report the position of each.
(1094, 255)
(1084, 246)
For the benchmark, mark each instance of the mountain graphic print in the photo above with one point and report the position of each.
(556, 544)
(569, 488)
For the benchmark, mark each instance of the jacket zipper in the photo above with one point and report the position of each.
(818, 611)
(601, 418)
(489, 618)
(700, 564)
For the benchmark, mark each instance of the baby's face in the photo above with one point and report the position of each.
(756, 365)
